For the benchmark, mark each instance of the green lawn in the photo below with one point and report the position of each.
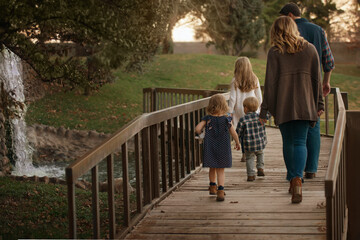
(115, 104)
(38, 210)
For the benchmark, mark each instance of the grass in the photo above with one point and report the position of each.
(38, 210)
(115, 104)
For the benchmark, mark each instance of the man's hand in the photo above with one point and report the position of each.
(262, 121)
(326, 89)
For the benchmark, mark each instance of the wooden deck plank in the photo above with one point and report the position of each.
(252, 210)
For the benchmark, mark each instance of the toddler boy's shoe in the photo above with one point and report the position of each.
(260, 172)
(243, 158)
(250, 178)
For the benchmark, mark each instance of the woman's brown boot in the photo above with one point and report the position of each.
(296, 186)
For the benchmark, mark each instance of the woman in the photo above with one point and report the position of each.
(293, 95)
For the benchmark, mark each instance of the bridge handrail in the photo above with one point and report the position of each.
(177, 126)
(335, 178)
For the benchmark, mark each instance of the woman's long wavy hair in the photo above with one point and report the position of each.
(285, 36)
(244, 77)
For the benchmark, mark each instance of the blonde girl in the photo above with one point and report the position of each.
(243, 85)
(217, 146)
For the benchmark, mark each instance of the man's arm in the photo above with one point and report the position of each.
(328, 64)
(326, 83)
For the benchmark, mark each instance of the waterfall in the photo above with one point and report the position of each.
(11, 76)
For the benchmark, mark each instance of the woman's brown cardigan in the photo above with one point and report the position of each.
(293, 88)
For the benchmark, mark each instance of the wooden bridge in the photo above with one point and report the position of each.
(172, 200)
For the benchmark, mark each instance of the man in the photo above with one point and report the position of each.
(315, 35)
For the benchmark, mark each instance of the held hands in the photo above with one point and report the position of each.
(320, 112)
(326, 89)
(237, 146)
(262, 121)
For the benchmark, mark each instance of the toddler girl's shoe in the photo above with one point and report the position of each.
(220, 195)
(212, 190)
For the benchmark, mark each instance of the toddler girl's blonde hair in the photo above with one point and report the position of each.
(251, 103)
(217, 105)
(285, 35)
(245, 78)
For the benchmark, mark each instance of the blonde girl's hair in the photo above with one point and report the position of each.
(285, 36)
(251, 103)
(244, 77)
(217, 105)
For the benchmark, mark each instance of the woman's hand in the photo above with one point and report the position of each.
(262, 121)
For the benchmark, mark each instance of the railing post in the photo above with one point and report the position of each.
(145, 138)
(71, 203)
(126, 195)
(95, 201)
(154, 152)
(111, 202)
(352, 173)
(344, 96)
(153, 100)
(139, 195)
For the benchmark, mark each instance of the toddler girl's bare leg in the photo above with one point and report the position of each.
(212, 175)
(220, 176)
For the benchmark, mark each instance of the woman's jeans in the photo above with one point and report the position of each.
(294, 136)
(313, 147)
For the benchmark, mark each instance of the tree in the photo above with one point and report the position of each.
(110, 34)
(231, 24)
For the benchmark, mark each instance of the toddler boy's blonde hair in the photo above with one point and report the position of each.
(251, 103)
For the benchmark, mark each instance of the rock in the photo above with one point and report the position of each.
(54, 180)
(45, 179)
(61, 131)
(80, 184)
(34, 178)
(118, 186)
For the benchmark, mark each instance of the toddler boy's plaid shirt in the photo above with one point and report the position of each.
(253, 133)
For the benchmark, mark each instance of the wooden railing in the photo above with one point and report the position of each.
(166, 154)
(335, 179)
(159, 98)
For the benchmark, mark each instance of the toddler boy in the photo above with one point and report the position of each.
(254, 137)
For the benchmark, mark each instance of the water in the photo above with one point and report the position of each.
(11, 76)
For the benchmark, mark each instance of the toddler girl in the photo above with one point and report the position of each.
(217, 146)
(243, 85)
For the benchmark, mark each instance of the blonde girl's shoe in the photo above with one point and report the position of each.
(296, 187)
(243, 158)
(220, 195)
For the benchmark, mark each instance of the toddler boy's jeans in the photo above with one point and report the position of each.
(313, 148)
(294, 135)
(250, 159)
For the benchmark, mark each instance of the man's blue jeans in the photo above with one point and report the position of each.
(313, 147)
(294, 135)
